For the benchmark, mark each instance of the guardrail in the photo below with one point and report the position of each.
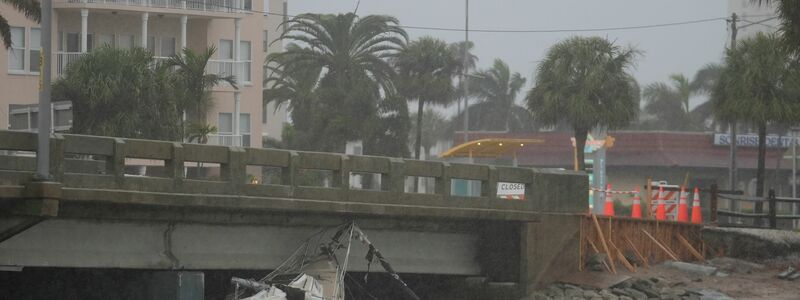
(105, 163)
(757, 217)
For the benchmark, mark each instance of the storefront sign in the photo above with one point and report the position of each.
(773, 141)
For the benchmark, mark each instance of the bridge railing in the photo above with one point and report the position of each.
(92, 162)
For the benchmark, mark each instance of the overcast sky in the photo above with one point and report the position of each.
(666, 50)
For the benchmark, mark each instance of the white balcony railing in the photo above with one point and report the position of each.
(65, 58)
(201, 5)
(226, 68)
(218, 67)
(225, 140)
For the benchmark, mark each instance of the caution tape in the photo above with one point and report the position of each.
(612, 191)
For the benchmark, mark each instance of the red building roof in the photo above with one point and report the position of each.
(638, 148)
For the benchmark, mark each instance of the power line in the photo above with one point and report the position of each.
(647, 26)
(568, 30)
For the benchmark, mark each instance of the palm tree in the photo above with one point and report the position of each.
(585, 81)
(499, 88)
(115, 92)
(199, 132)
(191, 68)
(434, 126)
(462, 49)
(32, 9)
(703, 84)
(352, 54)
(789, 14)
(426, 68)
(670, 103)
(758, 84)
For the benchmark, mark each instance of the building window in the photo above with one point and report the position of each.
(248, 4)
(71, 42)
(18, 121)
(246, 58)
(265, 46)
(16, 55)
(26, 117)
(244, 128)
(105, 40)
(151, 44)
(225, 123)
(168, 46)
(35, 49)
(126, 41)
(225, 50)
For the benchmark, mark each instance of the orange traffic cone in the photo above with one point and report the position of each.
(661, 213)
(697, 214)
(636, 209)
(683, 209)
(609, 209)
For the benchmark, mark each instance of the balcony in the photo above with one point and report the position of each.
(218, 67)
(225, 6)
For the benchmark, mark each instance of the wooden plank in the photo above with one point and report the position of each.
(603, 242)
(660, 245)
(636, 251)
(689, 247)
(598, 251)
(622, 258)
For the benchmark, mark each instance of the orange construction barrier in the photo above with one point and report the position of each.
(661, 213)
(609, 208)
(636, 209)
(683, 209)
(697, 214)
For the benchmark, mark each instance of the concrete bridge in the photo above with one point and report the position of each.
(95, 214)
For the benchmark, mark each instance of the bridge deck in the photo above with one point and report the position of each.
(93, 169)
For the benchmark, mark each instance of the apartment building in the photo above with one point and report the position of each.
(242, 31)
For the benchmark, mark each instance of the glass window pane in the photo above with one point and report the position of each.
(18, 121)
(248, 4)
(225, 49)
(18, 37)
(73, 42)
(16, 59)
(244, 50)
(265, 44)
(167, 46)
(63, 117)
(244, 123)
(106, 40)
(126, 41)
(34, 119)
(151, 44)
(36, 38)
(35, 59)
(246, 72)
(225, 123)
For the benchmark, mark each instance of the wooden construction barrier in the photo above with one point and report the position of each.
(648, 241)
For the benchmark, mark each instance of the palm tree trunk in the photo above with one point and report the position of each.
(418, 146)
(580, 143)
(762, 153)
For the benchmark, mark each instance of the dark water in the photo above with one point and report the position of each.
(105, 284)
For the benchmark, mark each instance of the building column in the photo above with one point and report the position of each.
(237, 41)
(145, 17)
(84, 30)
(184, 20)
(237, 110)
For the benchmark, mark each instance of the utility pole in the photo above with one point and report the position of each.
(733, 141)
(43, 146)
(465, 71)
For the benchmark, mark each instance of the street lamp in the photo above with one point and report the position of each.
(466, 71)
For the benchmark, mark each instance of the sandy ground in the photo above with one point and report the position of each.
(759, 284)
